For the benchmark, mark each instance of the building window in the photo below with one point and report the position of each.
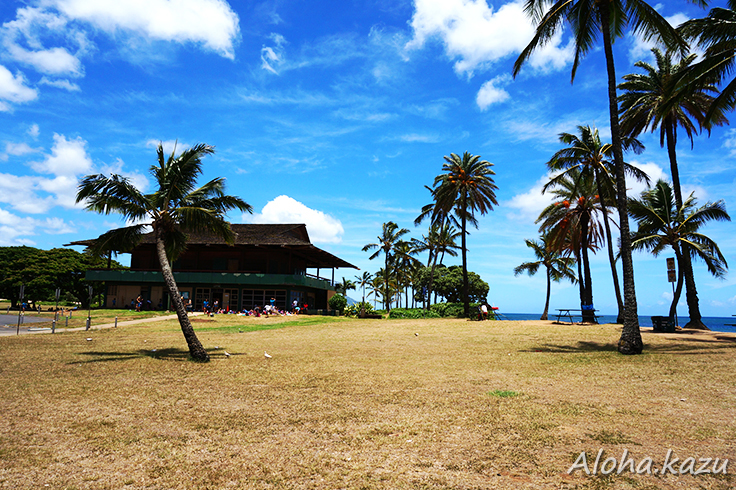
(201, 294)
(261, 297)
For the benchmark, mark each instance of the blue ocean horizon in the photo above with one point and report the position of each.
(715, 323)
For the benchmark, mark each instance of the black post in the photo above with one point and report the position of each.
(20, 307)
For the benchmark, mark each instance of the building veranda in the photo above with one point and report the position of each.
(266, 261)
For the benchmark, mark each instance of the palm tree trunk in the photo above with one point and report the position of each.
(466, 299)
(546, 301)
(196, 350)
(686, 265)
(678, 289)
(630, 341)
(386, 299)
(611, 255)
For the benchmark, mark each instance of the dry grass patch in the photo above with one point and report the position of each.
(359, 404)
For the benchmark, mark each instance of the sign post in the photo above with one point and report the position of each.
(672, 278)
(56, 308)
(89, 309)
(20, 307)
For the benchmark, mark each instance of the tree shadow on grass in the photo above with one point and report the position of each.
(170, 354)
(721, 344)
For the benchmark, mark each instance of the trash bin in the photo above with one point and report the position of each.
(663, 324)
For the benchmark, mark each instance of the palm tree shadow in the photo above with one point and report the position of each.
(582, 346)
(169, 354)
(688, 346)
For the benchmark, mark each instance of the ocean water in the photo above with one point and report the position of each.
(718, 324)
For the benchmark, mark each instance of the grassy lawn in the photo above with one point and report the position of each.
(427, 404)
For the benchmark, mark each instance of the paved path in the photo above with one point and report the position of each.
(6, 330)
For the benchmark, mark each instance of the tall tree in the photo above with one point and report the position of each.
(665, 98)
(439, 241)
(586, 153)
(557, 266)
(387, 241)
(363, 281)
(466, 186)
(663, 223)
(177, 207)
(344, 286)
(588, 19)
(716, 33)
(570, 224)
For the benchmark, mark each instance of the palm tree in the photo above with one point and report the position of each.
(662, 223)
(363, 281)
(557, 266)
(466, 186)
(439, 241)
(344, 286)
(586, 153)
(587, 19)
(663, 97)
(405, 265)
(176, 208)
(570, 224)
(717, 34)
(387, 241)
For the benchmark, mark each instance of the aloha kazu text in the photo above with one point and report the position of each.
(646, 466)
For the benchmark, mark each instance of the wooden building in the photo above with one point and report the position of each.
(265, 261)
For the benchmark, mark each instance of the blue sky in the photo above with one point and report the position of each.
(336, 114)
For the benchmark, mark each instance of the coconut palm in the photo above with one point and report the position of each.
(588, 19)
(439, 241)
(716, 33)
(557, 266)
(586, 153)
(363, 281)
(571, 224)
(664, 98)
(176, 208)
(466, 186)
(662, 223)
(387, 241)
(344, 286)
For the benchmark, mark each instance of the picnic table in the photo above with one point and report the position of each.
(570, 312)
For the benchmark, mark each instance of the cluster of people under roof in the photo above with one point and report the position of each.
(268, 309)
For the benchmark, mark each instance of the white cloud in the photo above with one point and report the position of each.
(22, 39)
(273, 57)
(418, 138)
(476, 35)
(12, 227)
(322, 227)
(529, 205)
(34, 130)
(655, 173)
(212, 23)
(18, 149)
(63, 84)
(54, 61)
(730, 142)
(13, 89)
(19, 192)
(68, 158)
(492, 93)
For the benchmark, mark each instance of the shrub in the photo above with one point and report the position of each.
(354, 309)
(338, 302)
(412, 313)
(453, 310)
